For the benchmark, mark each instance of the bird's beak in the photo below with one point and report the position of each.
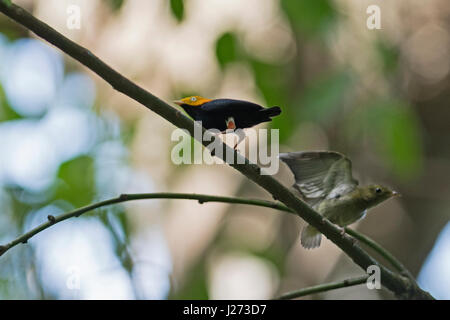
(395, 194)
(178, 102)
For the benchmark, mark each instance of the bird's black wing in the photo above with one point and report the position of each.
(245, 114)
(230, 105)
(320, 174)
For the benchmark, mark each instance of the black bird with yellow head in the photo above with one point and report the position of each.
(226, 114)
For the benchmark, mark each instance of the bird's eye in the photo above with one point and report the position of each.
(193, 99)
(378, 190)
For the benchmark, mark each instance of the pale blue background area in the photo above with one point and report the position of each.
(76, 260)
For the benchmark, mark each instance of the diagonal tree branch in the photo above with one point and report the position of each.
(401, 286)
(323, 287)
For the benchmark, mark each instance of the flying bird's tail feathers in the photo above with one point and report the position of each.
(271, 112)
(310, 237)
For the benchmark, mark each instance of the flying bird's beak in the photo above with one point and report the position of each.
(395, 194)
(178, 102)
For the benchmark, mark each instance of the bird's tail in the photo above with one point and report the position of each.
(271, 112)
(310, 237)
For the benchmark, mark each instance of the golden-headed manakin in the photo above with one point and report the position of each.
(227, 114)
(324, 179)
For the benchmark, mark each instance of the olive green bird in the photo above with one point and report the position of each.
(325, 181)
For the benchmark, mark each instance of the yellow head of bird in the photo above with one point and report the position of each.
(194, 101)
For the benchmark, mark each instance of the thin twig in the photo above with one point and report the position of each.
(201, 198)
(323, 287)
(400, 285)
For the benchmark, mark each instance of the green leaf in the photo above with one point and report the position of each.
(177, 8)
(76, 181)
(115, 5)
(324, 97)
(196, 286)
(128, 131)
(6, 112)
(115, 220)
(309, 16)
(226, 49)
(395, 131)
(272, 82)
(7, 2)
(389, 56)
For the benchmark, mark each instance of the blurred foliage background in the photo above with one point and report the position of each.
(67, 139)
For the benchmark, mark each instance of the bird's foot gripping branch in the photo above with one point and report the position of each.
(214, 153)
(402, 286)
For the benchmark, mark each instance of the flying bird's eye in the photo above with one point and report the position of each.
(193, 99)
(378, 190)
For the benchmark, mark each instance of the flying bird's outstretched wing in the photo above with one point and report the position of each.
(320, 174)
